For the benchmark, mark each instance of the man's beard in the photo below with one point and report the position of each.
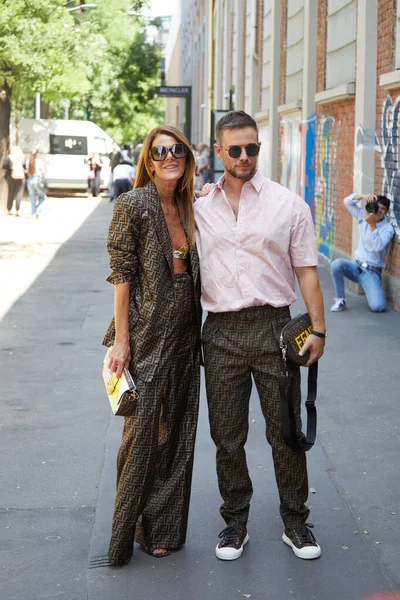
(244, 176)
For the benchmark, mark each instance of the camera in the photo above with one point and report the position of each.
(371, 207)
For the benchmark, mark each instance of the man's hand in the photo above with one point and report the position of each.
(316, 346)
(207, 188)
(372, 220)
(367, 197)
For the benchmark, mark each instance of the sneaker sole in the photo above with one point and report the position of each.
(338, 309)
(306, 553)
(231, 553)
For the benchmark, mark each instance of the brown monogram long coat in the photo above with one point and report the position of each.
(141, 252)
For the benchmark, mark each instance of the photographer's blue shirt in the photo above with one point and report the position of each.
(373, 245)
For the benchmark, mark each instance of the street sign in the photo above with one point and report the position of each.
(179, 91)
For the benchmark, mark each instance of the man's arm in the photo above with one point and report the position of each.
(312, 295)
(351, 203)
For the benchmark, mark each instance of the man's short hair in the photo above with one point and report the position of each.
(234, 119)
(384, 201)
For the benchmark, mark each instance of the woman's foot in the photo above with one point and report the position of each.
(157, 552)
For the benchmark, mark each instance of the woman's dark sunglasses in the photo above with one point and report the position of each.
(161, 152)
(236, 151)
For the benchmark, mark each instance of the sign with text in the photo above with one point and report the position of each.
(168, 90)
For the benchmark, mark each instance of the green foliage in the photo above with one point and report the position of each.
(41, 49)
(99, 59)
(123, 103)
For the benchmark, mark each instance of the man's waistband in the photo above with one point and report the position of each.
(365, 265)
(252, 313)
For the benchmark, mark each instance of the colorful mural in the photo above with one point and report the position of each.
(291, 152)
(325, 186)
(304, 145)
(390, 159)
(309, 129)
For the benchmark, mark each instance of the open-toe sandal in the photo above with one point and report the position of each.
(157, 552)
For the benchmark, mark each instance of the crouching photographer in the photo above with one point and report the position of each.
(376, 233)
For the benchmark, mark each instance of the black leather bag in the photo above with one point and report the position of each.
(291, 340)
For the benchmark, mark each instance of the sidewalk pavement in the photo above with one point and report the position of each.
(59, 445)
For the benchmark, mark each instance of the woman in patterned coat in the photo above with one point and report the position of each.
(155, 332)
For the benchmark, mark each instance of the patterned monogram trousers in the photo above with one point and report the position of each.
(238, 345)
(155, 460)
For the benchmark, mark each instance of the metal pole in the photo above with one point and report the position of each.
(189, 114)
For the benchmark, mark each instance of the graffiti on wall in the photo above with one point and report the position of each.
(390, 158)
(308, 153)
(325, 186)
(291, 146)
(304, 145)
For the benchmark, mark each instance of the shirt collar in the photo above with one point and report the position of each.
(256, 181)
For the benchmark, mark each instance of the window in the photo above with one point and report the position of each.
(341, 42)
(100, 146)
(294, 53)
(68, 144)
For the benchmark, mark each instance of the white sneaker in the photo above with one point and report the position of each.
(302, 542)
(338, 305)
(232, 543)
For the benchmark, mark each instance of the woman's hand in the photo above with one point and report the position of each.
(206, 189)
(119, 357)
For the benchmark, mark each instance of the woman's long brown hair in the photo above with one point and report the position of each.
(185, 186)
(31, 164)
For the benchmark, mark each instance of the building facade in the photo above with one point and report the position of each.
(322, 79)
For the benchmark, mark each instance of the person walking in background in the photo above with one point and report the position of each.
(124, 178)
(95, 166)
(155, 333)
(14, 166)
(204, 165)
(36, 174)
(375, 237)
(253, 235)
(115, 157)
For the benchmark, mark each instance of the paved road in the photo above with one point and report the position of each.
(58, 446)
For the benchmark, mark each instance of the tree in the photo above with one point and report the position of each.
(125, 106)
(42, 49)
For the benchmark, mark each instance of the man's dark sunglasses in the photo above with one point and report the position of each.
(236, 151)
(161, 152)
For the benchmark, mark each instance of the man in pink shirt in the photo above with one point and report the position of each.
(253, 237)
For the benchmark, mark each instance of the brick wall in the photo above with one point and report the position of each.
(282, 83)
(386, 64)
(282, 77)
(334, 159)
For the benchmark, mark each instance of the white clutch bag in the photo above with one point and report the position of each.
(121, 392)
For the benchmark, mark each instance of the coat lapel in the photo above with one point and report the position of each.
(159, 223)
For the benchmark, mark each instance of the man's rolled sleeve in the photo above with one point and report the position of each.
(122, 239)
(351, 204)
(303, 249)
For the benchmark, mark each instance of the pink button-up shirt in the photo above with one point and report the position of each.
(249, 261)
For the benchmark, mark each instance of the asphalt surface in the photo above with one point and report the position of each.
(59, 443)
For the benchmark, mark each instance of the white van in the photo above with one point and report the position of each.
(64, 147)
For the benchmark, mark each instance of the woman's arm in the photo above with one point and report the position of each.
(120, 354)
